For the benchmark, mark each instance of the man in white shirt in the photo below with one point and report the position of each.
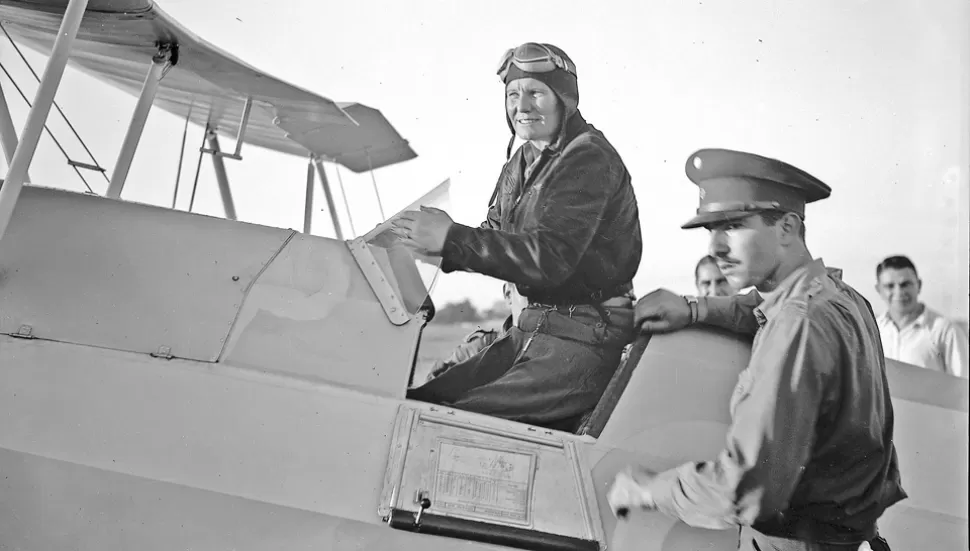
(912, 332)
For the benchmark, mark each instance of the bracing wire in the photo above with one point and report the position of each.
(380, 206)
(343, 193)
(178, 173)
(49, 133)
(59, 110)
(198, 167)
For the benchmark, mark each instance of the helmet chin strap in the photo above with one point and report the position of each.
(508, 150)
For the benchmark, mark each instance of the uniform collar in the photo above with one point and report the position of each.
(773, 301)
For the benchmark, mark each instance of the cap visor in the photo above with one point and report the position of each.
(702, 220)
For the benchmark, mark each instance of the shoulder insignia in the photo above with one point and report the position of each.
(814, 288)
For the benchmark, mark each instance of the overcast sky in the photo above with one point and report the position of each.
(871, 97)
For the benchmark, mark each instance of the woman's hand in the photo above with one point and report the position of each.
(424, 230)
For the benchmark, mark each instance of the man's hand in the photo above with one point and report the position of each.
(661, 311)
(424, 230)
(629, 491)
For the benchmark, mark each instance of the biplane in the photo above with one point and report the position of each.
(170, 380)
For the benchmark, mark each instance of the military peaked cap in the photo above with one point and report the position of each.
(735, 184)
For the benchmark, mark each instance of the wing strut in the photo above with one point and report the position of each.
(222, 177)
(308, 203)
(240, 136)
(326, 191)
(343, 193)
(8, 133)
(10, 191)
(71, 162)
(93, 165)
(166, 57)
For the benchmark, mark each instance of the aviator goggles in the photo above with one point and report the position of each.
(533, 58)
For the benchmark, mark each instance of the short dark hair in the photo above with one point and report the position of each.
(771, 217)
(708, 259)
(898, 262)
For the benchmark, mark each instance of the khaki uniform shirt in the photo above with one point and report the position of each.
(809, 453)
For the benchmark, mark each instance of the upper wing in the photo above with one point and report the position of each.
(118, 38)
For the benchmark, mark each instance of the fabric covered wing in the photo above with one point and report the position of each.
(118, 38)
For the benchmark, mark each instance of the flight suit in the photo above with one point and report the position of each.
(564, 228)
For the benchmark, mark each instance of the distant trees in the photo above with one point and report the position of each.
(498, 310)
(458, 312)
(465, 312)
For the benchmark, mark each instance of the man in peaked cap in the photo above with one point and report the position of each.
(809, 462)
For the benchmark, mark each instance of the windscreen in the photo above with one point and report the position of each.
(413, 274)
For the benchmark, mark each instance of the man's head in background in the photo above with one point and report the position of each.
(899, 285)
(515, 301)
(709, 280)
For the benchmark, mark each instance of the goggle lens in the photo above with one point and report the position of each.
(533, 58)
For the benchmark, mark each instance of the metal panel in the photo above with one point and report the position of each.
(312, 314)
(87, 270)
(658, 390)
(488, 470)
(229, 430)
(47, 504)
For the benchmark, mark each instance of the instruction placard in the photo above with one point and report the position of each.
(484, 483)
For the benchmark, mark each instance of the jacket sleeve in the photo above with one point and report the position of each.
(771, 438)
(575, 195)
(734, 313)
